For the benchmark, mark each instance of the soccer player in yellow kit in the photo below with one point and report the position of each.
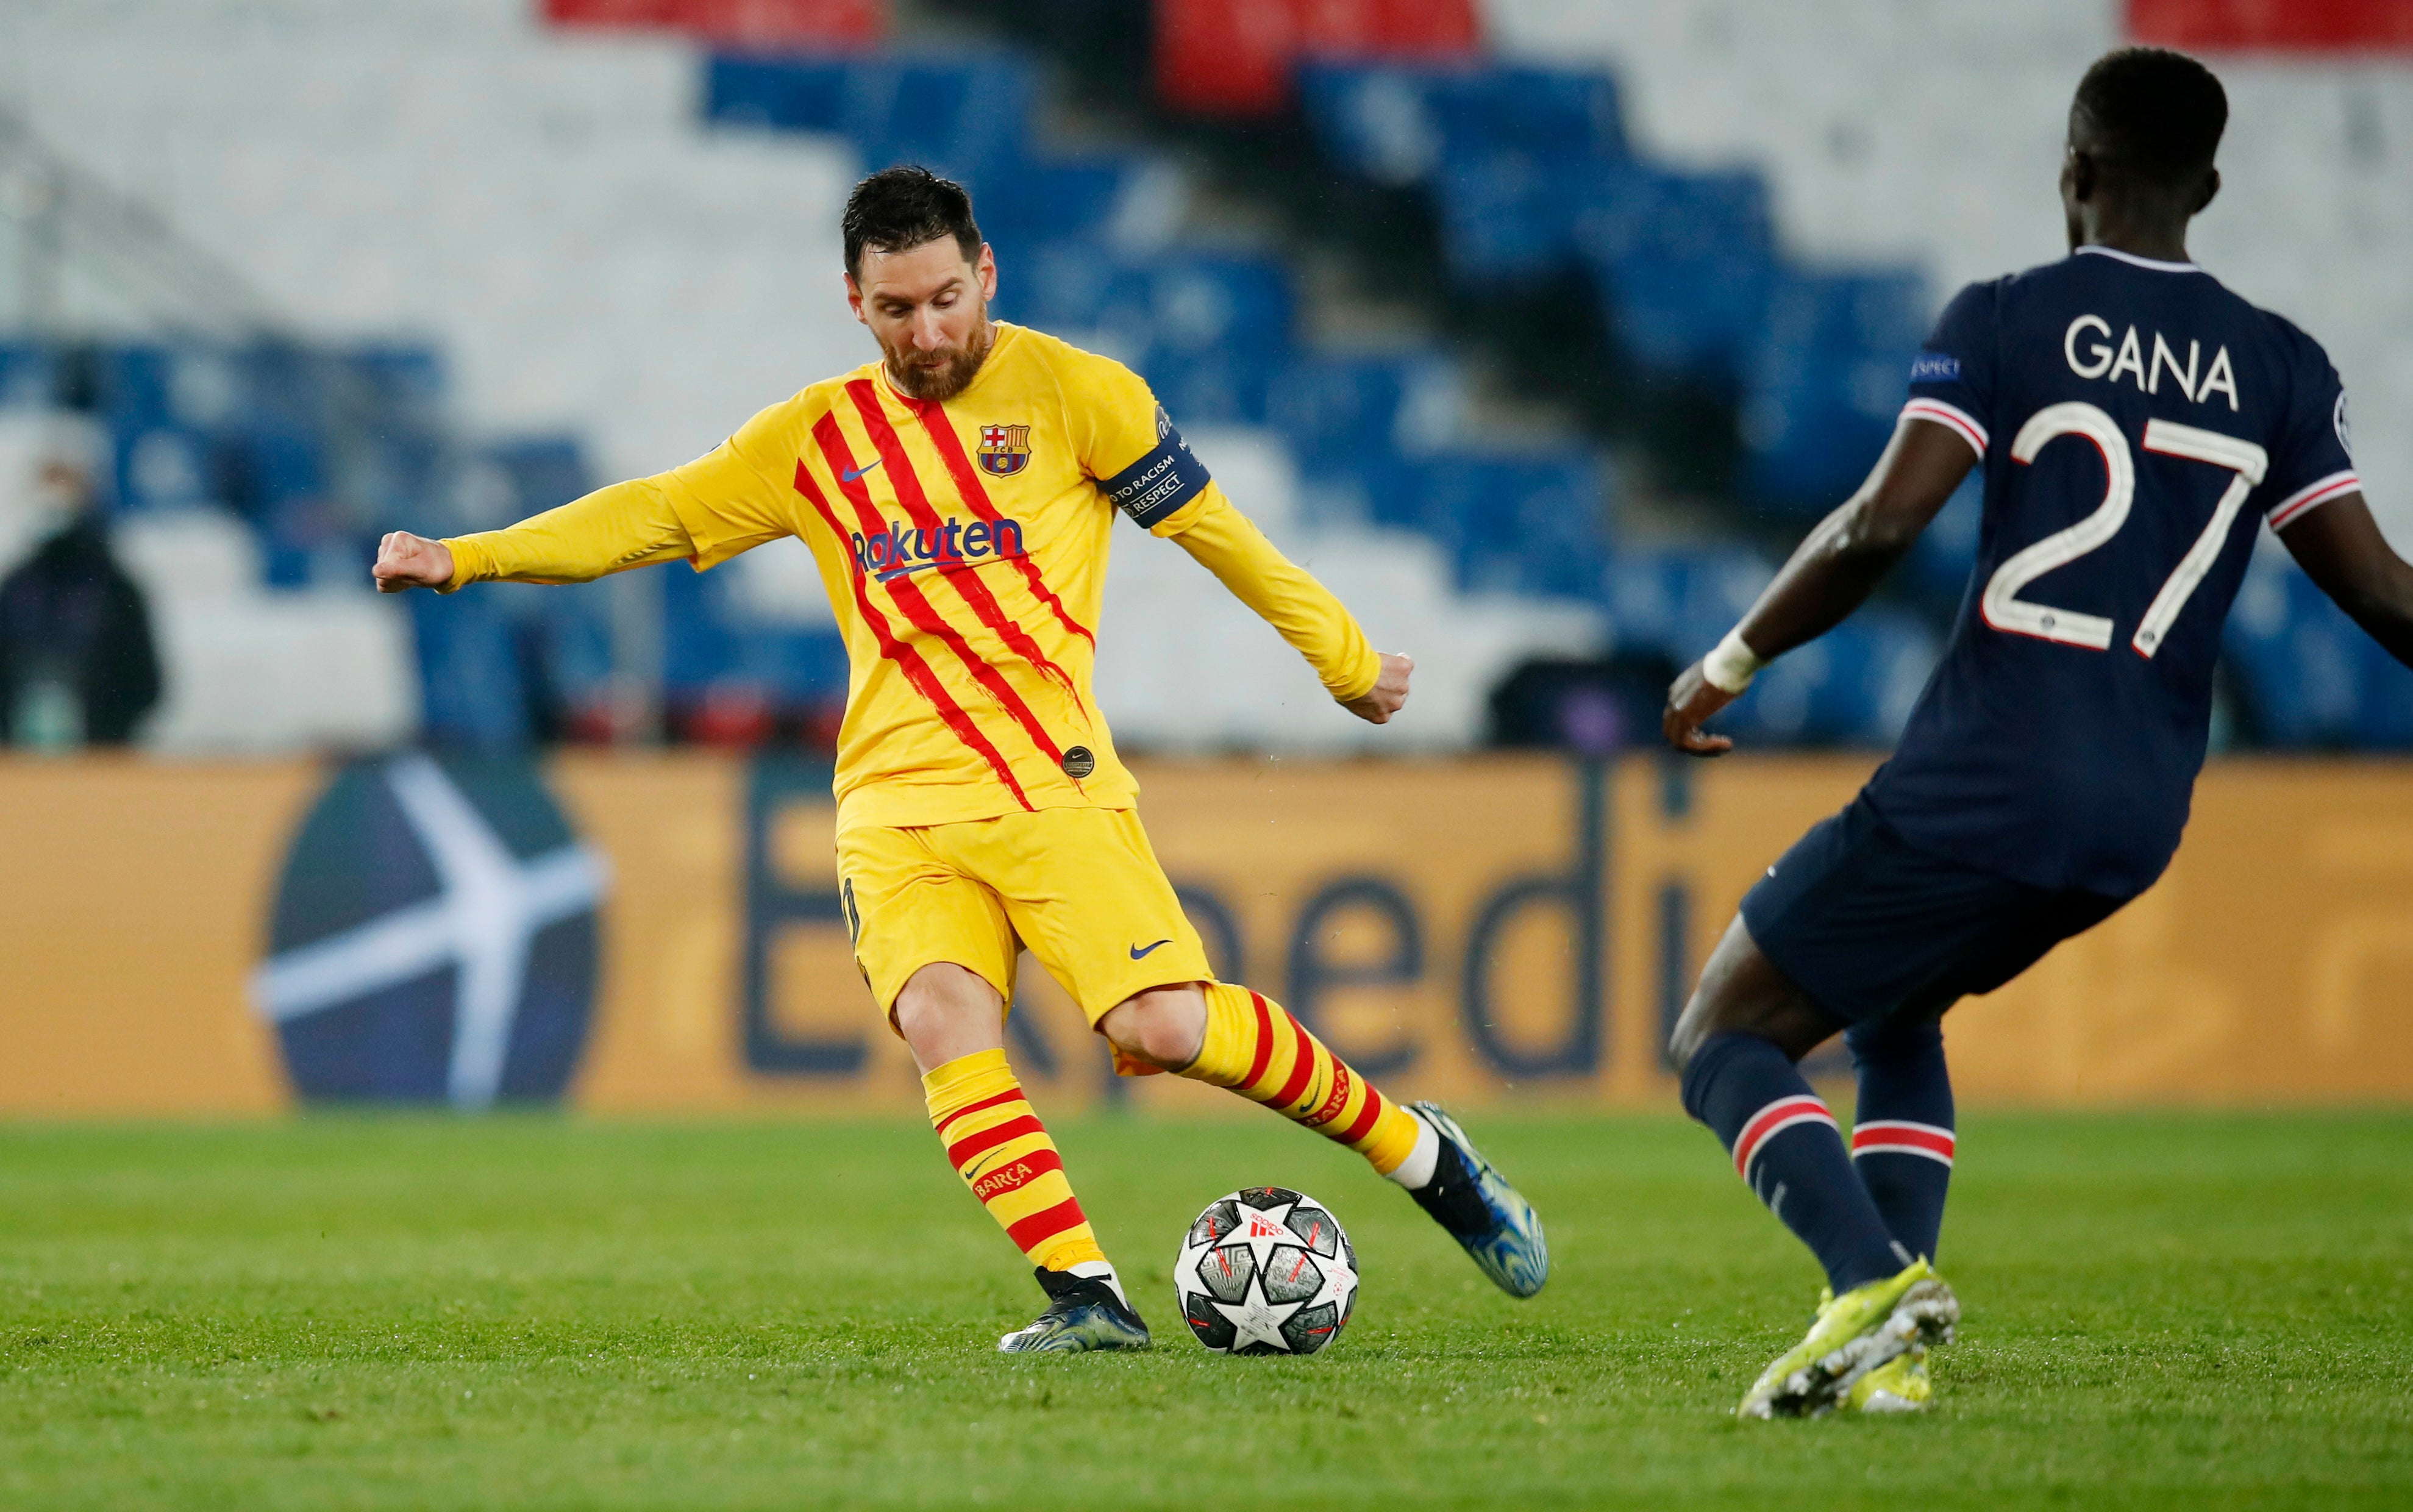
(957, 496)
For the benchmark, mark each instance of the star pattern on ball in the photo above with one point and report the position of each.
(1259, 1320)
(1265, 1270)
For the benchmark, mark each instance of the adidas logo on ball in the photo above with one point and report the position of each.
(1266, 1271)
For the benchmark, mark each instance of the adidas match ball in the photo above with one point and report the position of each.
(1266, 1271)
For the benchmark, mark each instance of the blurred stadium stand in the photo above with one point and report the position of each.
(509, 249)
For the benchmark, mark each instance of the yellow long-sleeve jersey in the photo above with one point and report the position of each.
(963, 545)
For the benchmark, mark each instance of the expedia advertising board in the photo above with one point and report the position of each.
(665, 934)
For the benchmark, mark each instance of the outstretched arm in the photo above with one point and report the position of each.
(1830, 573)
(1371, 684)
(627, 524)
(2341, 549)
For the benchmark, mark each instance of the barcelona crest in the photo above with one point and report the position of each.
(1004, 450)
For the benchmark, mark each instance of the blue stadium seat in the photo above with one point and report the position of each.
(1173, 307)
(960, 116)
(1502, 217)
(1025, 204)
(1498, 145)
(405, 381)
(268, 464)
(1554, 113)
(544, 470)
(1375, 120)
(1854, 686)
(1330, 407)
(1523, 523)
(29, 374)
(133, 387)
(708, 645)
(288, 386)
(2300, 663)
(775, 91)
(1827, 384)
(1209, 389)
(473, 672)
(1684, 262)
(1393, 123)
(1865, 309)
(1375, 486)
(1680, 601)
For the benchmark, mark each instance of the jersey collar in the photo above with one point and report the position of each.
(2133, 260)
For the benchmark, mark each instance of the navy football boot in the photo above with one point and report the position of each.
(1470, 1199)
(1082, 1313)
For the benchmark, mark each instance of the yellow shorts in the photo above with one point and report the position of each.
(1079, 887)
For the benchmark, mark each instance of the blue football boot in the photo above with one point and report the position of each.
(1083, 1313)
(1472, 1200)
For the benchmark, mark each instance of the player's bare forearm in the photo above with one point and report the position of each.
(1834, 569)
(2341, 549)
(1390, 690)
(1839, 564)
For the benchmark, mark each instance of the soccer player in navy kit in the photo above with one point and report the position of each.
(2134, 419)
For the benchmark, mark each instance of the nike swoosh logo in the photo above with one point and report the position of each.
(856, 474)
(1137, 953)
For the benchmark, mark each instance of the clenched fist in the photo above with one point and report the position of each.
(1389, 691)
(406, 561)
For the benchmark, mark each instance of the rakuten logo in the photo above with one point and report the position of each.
(899, 550)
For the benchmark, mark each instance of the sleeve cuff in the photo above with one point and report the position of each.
(1368, 676)
(469, 563)
(2311, 497)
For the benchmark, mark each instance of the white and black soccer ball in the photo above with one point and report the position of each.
(1266, 1271)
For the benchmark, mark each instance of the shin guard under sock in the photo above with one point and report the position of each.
(1786, 1149)
(1901, 1137)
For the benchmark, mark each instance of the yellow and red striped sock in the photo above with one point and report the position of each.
(1256, 1049)
(997, 1144)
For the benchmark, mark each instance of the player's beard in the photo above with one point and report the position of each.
(932, 376)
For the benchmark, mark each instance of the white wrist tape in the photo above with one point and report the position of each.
(1731, 666)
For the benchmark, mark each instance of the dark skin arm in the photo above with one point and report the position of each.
(1834, 569)
(2341, 549)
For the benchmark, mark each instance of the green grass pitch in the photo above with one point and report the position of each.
(2173, 1310)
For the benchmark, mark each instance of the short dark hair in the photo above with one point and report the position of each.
(902, 207)
(2158, 114)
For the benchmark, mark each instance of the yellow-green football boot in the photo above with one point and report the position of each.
(1855, 1333)
(1901, 1385)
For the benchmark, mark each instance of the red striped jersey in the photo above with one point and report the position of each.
(963, 545)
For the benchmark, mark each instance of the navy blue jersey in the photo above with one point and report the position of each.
(2136, 420)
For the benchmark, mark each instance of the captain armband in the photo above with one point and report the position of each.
(1160, 482)
(1730, 665)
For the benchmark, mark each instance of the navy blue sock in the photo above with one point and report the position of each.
(1901, 1137)
(1784, 1144)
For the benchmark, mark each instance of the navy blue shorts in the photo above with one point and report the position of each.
(1874, 929)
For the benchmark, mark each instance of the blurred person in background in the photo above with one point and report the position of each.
(78, 666)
